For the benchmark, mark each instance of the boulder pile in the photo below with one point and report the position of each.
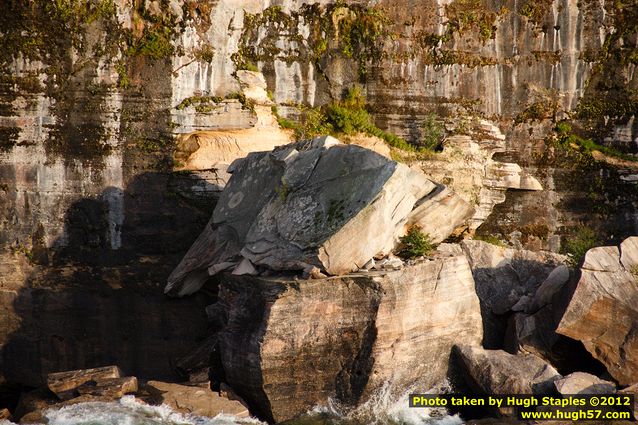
(105, 384)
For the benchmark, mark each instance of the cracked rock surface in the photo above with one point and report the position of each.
(289, 345)
(317, 203)
(603, 313)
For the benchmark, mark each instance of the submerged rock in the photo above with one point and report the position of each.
(290, 345)
(316, 203)
(603, 313)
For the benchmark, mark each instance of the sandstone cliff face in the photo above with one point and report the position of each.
(91, 99)
(105, 109)
(290, 345)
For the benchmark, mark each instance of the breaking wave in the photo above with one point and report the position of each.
(384, 408)
(129, 411)
(381, 409)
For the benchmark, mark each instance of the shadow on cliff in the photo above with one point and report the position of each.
(511, 324)
(96, 298)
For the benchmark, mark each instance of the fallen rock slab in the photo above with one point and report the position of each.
(439, 213)
(290, 345)
(64, 384)
(109, 388)
(498, 372)
(583, 383)
(603, 312)
(317, 203)
(197, 400)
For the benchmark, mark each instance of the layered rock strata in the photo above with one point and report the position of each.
(467, 166)
(289, 345)
(603, 313)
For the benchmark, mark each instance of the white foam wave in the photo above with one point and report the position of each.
(386, 408)
(383, 408)
(129, 411)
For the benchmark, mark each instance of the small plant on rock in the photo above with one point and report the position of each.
(582, 240)
(415, 243)
(491, 239)
(432, 132)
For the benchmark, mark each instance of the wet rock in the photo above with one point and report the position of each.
(197, 400)
(290, 345)
(65, 384)
(583, 383)
(498, 372)
(34, 401)
(109, 388)
(603, 312)
(37, 418)
(314, 203)
(33, 405)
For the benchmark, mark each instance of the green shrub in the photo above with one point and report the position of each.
(415, 243)
(347, 116)
(155, 43)
(581, 241)
(491, 239)
(249, 66)
(432, 132)
(567, 137)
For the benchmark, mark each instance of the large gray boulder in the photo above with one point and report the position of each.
(290, 345)
(603, 312)
(316, 203)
